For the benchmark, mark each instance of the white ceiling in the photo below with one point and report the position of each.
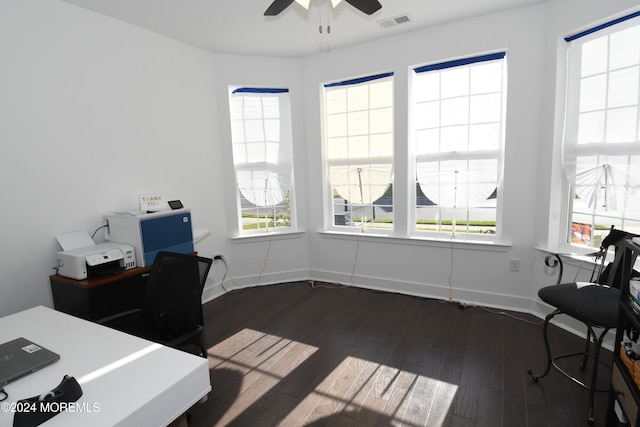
(238, 26)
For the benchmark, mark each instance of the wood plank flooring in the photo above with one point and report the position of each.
(300, 355)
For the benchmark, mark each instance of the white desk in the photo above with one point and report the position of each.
(133, 382)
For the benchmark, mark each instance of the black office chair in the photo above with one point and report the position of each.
(171, 312)
(596, 305)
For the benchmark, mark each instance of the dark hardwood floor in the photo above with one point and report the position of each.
(297, 355)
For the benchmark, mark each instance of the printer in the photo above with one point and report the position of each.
(103, 258)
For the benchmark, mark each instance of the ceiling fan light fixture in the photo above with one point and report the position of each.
(365, 6)
(304, 3)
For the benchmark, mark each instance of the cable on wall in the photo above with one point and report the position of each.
(450, 299)
(451, 274)
(355, 259)
(227, 272)
(266, 258)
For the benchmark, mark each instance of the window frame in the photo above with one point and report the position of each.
(328, 187)
(572, 78)
(498, 152)
(285, 125)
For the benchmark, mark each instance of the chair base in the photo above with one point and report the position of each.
(551, 361)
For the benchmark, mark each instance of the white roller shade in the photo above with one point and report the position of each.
(601, 148)
(359, 127)
(458, 183)
(262, 148)
(458, 117)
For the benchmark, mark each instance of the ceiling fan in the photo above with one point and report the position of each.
(365, 6)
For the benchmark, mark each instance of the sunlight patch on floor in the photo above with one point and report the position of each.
(257, 355)
(364, 390)
(358, 389)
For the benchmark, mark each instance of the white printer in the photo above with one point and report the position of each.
(103, 258)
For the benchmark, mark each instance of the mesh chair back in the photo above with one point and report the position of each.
(611, 274)
(173, 295)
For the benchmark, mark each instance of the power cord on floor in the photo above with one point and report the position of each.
(325, 285)
(460, 304)
(504, 313)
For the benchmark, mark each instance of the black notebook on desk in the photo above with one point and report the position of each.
(21, 357)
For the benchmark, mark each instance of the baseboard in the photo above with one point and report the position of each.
(469, 297)
(427, 290)
(214, 289)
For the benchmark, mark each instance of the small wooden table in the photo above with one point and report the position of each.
(101, 296)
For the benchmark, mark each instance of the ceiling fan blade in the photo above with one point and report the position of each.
(365, 6)
(277, 6)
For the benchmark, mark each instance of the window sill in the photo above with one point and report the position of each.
(272, 235)
(420, 241)
(573, 254)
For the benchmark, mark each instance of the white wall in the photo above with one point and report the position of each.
(564, 17)
(261, 260)
(481, 273)
(531, 37)
(94, 112)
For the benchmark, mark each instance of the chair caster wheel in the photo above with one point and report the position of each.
(590, 421)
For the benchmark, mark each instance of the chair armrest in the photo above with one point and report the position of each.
(553, 261)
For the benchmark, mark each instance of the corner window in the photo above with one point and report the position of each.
(458, 111)
(601, 145)
(358, 120)
(262, 158)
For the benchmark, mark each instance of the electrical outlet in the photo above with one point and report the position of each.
(514, 264)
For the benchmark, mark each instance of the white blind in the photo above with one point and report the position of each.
(601, 147)
(458, 120)
(359, 129)
(262, 147)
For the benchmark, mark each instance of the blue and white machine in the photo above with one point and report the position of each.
(150, 233)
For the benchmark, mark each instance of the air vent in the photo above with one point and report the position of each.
(401, 19)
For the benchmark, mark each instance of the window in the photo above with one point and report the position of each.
(601, 146)
(458, 110)
(262, 157)
(358, 119)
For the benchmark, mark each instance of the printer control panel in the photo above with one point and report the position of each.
(102, 257)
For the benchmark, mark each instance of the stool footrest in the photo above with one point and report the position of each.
(571, 377)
